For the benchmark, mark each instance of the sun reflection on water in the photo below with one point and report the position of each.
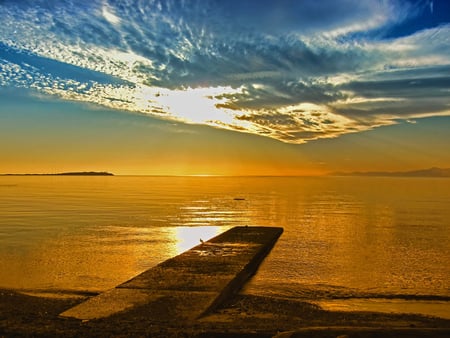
(188, 237)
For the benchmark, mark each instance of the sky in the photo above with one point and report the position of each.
(224, 87)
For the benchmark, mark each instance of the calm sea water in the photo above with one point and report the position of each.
(345, 237)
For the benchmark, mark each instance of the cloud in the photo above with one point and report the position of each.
(109, 15)
(328, 17)
(298, 123)
(290, 70)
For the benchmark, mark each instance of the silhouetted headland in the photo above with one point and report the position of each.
(75, 173)
(431, 172)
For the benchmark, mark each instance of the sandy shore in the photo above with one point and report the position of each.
(242, 316)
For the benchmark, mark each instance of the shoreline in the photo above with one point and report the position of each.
(241, 315)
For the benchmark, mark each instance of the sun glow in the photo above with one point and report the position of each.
(191, 105)
(196, 105)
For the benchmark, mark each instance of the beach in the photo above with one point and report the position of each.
(24, 315)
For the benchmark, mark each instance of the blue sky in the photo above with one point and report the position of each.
(292, 72)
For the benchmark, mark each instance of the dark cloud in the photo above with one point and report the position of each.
(412, 88)
(281, 93)
(307, 17)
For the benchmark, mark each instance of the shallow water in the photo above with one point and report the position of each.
(431, 308)
(344, 236)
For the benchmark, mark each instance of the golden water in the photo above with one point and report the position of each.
(344, 236)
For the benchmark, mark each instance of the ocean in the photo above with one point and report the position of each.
(349, 243)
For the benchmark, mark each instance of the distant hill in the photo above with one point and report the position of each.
(74, 173)
(87, 173)
(431, 172)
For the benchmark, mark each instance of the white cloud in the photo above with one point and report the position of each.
(108, 14)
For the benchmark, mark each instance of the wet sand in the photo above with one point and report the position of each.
(24, 315)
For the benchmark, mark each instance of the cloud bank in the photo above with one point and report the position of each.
(290, 70)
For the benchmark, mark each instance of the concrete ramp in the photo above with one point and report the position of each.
(189, 285)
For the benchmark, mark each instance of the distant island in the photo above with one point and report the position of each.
(74, 173)
(431, 172)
